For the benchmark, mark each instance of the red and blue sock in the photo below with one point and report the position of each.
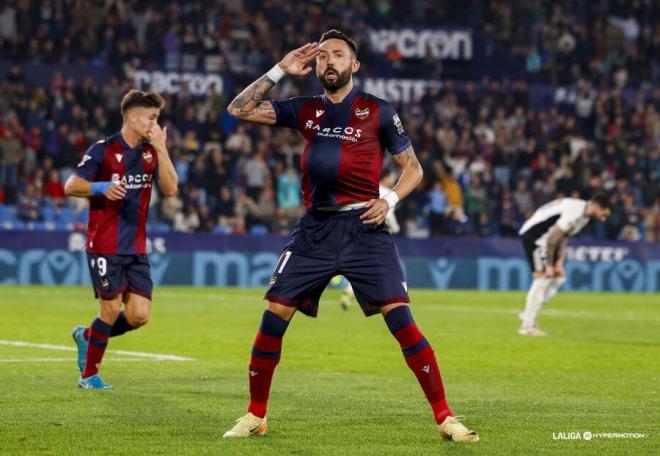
(265, 356)
(420, 359)
(120, 327)
(98, 335)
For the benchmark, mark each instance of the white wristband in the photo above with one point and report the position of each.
(276, 73)
(392, 198)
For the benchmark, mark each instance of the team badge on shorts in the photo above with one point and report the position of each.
(273, 280)
(361, 113)
(105, 283)
(147, 156)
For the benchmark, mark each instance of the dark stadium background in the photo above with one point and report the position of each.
(548, 99)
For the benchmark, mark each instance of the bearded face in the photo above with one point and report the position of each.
(333, 80)
(335, 64)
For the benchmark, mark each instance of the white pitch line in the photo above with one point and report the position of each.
(156, 356)
(67, 360)
(151, 355)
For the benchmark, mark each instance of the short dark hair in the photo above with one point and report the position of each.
(140, 99)
(602, 199)
(334, 33)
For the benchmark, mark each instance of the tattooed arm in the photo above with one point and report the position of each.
(249, 104)
(411, 172)
(411, 176)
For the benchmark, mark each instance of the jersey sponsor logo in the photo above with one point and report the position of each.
(398, 124)
(319, 112)
(344, 133)
(133, 181)
(362, 113)
(84, 160)
(147, 156)
(118, 157)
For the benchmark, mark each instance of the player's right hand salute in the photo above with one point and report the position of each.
(249, 104)
(295, 63)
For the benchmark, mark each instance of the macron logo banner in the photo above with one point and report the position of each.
(446, 44)
(171, 82)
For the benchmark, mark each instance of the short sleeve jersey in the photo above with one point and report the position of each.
(119, 227)
(344, 145)
(568, 214)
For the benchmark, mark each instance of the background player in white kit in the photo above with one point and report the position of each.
(385, 186)
(544, 236)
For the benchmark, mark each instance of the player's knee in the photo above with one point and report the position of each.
(110, 309)
(137, 319)
(281, 310)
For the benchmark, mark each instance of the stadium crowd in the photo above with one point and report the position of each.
(489, 156)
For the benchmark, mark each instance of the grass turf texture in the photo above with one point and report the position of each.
(342, 386)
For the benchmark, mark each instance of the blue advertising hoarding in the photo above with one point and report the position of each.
(52, 258)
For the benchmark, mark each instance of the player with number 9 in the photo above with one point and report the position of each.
(117, 174)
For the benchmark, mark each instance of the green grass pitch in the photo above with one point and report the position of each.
(342, 387)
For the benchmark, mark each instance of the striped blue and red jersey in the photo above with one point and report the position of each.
(344, 145)
(119, 227)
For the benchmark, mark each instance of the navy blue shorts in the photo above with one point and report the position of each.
(112, 275)
(326, 244)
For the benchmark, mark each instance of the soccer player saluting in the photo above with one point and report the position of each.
(346, 133)
(117, 174)
(544, 238)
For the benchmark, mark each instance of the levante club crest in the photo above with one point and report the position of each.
(361, 113)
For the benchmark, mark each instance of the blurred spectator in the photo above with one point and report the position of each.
(11, 154)
(186, 221)
(437, 208)
(28, 204)
(523, 200)
(244, 208)
(256, 171)
(652, 222)
(170, 207)
(476, 205)
(53, 189)
(224, 210)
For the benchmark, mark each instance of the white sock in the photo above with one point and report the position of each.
(534, 301)
(552, 288)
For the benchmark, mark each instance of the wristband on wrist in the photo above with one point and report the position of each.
(392, 198)
(99, 188)
(276, 73)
